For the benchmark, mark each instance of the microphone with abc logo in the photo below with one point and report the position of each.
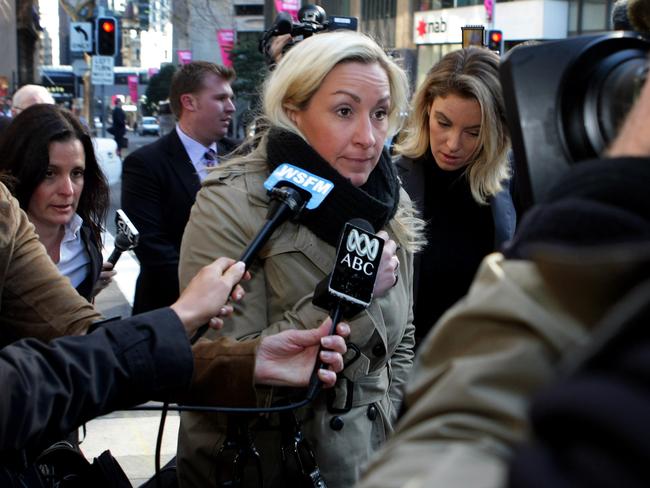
(127, 236)
(349, 288)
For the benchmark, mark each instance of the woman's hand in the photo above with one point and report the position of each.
(204, 299)
(387, 275)
(288, 358)
(105, 278)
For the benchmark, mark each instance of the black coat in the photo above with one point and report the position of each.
(58, 386)
(85, 288)
(462, 235)
(159, 185)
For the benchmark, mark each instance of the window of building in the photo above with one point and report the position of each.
(430, 54)
(249, 9)
(589, 16)
(379, 20)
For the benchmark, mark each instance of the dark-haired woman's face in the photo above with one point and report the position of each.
(55, 200)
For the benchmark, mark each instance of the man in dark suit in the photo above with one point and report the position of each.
(160, 180)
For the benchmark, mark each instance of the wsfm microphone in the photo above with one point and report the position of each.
(291, 189)
(127, 236)
(349, 288)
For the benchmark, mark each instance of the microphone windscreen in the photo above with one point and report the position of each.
(362, 224)
(283, 23)
(638, 11)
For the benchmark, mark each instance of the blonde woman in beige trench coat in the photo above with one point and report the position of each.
(329, 106)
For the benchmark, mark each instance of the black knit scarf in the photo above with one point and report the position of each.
(376, 201)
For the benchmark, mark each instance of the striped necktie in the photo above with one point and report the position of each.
(210, 158)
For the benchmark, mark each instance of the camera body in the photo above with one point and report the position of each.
(312, 19)
(565, 101)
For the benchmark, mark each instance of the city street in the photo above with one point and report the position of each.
(129, 435)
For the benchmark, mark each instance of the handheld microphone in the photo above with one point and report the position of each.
(291, 190)
(127, 236)
(349, 288)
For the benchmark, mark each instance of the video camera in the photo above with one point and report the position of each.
(565, 102)
(312, 19)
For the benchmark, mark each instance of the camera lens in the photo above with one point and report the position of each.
(598, 91)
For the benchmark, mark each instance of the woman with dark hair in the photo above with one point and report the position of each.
(59, 183)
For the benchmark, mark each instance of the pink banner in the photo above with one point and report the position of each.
(226, 40)
(133, 87)
(288, 6)
(152, 71)
(489, 9)
(184, 56)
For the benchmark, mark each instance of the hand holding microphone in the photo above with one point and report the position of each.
(351, 285)
(387, 276)
(127, 237)
(291, 189)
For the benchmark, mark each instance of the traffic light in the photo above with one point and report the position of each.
(495, 41)
(106, 36)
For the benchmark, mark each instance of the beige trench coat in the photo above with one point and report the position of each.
(474, 375)
(229, 211)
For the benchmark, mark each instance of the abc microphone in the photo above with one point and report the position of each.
(291, 189)
(127, 236)
(349, 288)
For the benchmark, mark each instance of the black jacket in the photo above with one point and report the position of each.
(159, 185)
(85, 288)
(461, 233)
(50, 389)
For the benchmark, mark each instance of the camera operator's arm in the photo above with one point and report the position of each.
(276, 47)
(633, 140)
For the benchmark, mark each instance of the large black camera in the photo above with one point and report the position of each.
(565, 101)
(312, 19)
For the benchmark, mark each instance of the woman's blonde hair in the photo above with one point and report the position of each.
(302, 70)
(472, 72)
(292, 85)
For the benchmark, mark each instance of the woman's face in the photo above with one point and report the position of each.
(454, 125)
(55, 199)
(346, 120)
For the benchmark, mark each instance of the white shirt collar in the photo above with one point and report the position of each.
(195, 150)
(71, 229)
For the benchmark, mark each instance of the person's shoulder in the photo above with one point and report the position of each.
(228, 144)
(239, 176)
(10, 215)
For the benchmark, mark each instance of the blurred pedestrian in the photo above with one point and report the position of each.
(28, 95)
(118, 129)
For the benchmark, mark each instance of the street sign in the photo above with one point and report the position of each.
(79, 67)
(81, 37)
(102, 70)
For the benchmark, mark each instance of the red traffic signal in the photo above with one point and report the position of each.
(495, 40)
(106, 36)
(108, 26)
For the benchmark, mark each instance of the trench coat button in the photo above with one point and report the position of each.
(336, 423)
(372, 412)
(379, 349)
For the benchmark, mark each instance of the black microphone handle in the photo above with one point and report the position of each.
(314, 382)
(283, 212)
(263, 235)
(115, 255)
